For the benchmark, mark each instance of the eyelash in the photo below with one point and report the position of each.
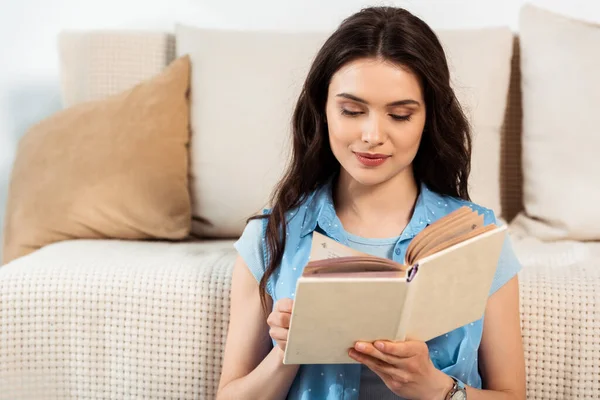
(394, 117)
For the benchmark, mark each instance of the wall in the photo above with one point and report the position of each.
(29, 75)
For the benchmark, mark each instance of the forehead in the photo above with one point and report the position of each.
(376, 80)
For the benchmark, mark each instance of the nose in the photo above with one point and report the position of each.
(373, 132)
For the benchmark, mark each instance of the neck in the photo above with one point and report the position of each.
(380, 210)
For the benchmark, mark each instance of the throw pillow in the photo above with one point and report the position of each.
(561, 126)
(110, 168)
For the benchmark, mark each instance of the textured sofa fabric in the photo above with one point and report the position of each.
(97, 64)
(560, 307)
(112, 319)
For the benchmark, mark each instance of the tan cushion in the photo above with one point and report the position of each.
(561, 135)
(244, 88)
(96, 64)
(112, 168)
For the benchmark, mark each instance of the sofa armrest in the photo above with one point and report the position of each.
(112, 319)
(115, 319)
(560, 317)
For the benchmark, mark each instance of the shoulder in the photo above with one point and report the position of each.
(254, 234)
(304, 216)
(250, 246)
(508, 262)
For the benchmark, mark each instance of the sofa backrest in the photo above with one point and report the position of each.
(511, 176)
(96, 64)
(121, 59)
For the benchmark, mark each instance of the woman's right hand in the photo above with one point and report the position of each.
(279, 321)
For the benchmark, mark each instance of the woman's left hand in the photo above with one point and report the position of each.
(405, 368)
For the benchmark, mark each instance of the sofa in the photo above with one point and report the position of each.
(125, 318)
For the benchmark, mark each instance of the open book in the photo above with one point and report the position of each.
(344, 296)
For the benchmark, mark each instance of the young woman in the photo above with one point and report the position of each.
(381, 149)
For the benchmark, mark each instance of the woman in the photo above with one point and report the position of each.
(381, 149)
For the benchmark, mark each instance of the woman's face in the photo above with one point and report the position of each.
(375, 116)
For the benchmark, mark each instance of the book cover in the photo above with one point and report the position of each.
(346, 296)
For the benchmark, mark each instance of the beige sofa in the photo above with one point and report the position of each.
(147, 319)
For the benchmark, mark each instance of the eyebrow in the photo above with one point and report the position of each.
(392, 104)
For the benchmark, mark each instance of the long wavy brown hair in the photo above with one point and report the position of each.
(443, 159)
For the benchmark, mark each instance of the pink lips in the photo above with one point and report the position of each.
(370, 159)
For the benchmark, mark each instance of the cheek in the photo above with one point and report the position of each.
(408, 138)
(342, 131)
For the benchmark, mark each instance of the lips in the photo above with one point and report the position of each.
(370, 159)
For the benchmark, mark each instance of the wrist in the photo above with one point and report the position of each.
(279, 355)
(443, 384)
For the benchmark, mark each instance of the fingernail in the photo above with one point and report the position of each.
(360, 346)
(379, 345)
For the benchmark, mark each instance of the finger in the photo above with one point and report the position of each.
(279, 334)
(392, 376)
(378, 366)
(401, 349)
(278, 319)
(285, 305)
(370, 350)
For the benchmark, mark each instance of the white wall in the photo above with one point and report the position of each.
(29, 75)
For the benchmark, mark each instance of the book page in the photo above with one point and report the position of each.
(354, 266)
(454, 228)
(425, 235)
(461, 238)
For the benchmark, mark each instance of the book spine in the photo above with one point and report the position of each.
(408, 307)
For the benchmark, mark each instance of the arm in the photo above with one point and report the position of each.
(252, 367)
(501, 355)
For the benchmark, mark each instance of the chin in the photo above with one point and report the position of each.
(368, 177)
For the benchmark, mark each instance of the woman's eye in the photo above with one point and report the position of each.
(350, 113)
(401, 117)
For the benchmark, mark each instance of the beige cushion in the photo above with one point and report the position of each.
(560, 62)
(111, 168)
(244, 88)
(97, 64)
(481, 85)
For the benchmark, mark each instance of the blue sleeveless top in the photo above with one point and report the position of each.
(454, 353)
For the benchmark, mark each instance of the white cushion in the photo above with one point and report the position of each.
(244, 88)
(481, 85)
(560, 61)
